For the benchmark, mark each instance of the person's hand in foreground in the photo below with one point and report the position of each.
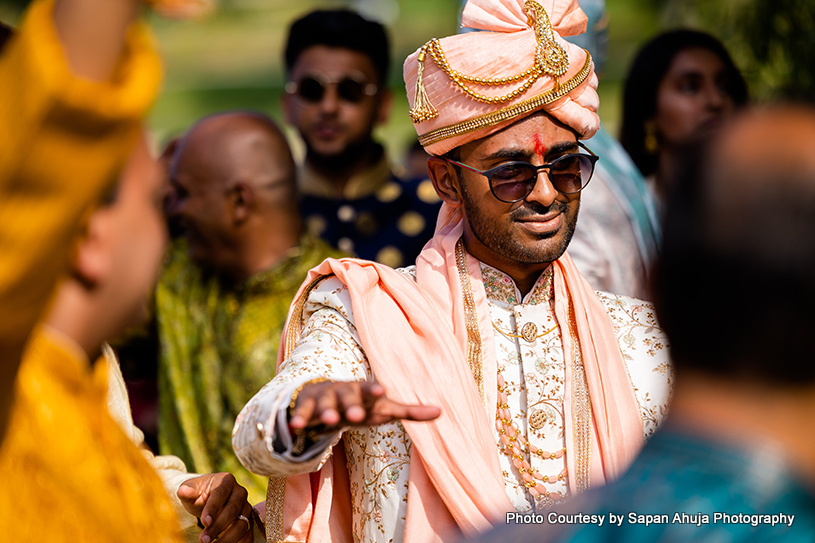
(221, 504)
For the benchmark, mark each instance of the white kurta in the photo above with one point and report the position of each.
(379, 457)
(604, 246)
(170, 468)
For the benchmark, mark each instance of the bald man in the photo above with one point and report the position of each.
(735, 460)
(235, 194)
(223, 296)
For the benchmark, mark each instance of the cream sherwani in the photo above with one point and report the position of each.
(378, 458)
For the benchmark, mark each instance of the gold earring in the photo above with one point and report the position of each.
(651, 143)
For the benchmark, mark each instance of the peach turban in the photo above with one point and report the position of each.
(464, 87)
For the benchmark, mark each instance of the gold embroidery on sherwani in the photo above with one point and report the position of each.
(581, 411)
(296, 324)
(378, 459)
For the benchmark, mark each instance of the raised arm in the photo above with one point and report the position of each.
(92, 34)
(262, 439)
(83, 78)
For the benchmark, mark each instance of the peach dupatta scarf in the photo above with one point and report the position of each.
(419, 337)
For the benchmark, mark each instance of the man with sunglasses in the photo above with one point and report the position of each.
(336, 94)
(489, 378)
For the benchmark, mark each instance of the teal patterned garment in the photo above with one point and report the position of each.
(686, 488)
(218, 348)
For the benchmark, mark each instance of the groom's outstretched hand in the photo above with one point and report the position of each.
(331, 405)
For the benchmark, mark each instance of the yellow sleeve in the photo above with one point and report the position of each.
(62, 143)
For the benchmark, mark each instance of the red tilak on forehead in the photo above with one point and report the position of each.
(540, 148)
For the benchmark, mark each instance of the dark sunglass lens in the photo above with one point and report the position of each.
(513, 182)
(569, 174)
(310, 89)
(351, 90)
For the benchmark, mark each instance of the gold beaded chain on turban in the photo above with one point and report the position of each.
(550, 59)
(542, 80)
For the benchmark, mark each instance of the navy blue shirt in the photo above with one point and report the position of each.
(389, 223)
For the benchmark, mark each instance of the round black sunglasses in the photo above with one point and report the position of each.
(511, 182)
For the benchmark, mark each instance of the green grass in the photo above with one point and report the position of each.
(233, 60)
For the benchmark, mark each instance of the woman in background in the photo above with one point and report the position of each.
(681, 85)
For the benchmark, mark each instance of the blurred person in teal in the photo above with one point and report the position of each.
(735, 459)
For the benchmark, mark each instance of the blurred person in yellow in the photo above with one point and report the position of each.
(64, 452)
(82, 76)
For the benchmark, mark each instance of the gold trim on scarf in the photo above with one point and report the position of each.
(296, 320)
(474, 355)
(510, 112)
(276, 492)
(581, 411)
(275, 497)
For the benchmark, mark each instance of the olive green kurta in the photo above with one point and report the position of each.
(218, 348)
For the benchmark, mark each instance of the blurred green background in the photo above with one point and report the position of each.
(233, 58)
